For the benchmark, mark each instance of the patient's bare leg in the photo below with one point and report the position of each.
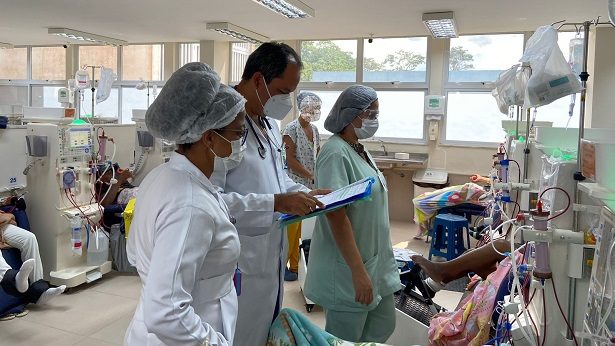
(481, 261)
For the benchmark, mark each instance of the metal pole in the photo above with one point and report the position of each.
(572, 283)
(93, 89)
(526, 151)
(518, 116)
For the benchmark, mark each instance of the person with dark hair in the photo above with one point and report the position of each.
(257, 189)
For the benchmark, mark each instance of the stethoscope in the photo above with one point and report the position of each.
(262, 150)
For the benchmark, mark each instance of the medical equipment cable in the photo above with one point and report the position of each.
(610, 274)
(563, 314)
(567, 206)
(516, 285)
(544, 311)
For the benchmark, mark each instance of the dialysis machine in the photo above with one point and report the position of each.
(61, 175)
(149, 151)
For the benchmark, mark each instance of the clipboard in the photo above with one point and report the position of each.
(356, 191)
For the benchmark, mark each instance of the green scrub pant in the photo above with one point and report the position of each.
(376, 325)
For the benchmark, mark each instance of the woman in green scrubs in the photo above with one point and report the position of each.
(352, 273)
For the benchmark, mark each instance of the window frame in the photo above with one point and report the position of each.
(378, 86)
(448, 87)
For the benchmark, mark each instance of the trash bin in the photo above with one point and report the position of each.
(428, 180)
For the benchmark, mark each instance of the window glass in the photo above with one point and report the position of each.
(98, 56)
(14, 63)
(142, 62)
(240, 51)
(395, 59)
(48, 63)
(473, 117)
(481, 58)
(329, 61)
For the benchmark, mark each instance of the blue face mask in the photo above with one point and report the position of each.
(367, 130)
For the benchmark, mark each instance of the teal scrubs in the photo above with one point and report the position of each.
(329, 279)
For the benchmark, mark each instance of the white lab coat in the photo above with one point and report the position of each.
(248, 192)
(185, 249)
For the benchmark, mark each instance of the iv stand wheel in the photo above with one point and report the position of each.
(309, 307)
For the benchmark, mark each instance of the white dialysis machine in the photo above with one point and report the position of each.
(13, 161)
(63, 210)
(150, 152)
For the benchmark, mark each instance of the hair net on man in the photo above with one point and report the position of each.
(351, 102)
(192, 102)
(307, 101)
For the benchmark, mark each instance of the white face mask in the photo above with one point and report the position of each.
(367, 130)
(278, 106)
(313, 116)
(231, 161)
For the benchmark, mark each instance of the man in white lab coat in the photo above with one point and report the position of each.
(258, 189)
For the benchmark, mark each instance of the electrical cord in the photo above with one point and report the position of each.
(612, 277)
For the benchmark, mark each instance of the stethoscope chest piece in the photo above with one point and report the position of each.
(262, 151)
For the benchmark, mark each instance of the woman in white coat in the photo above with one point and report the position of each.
(182, 239)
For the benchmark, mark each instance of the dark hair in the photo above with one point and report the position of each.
(270, 59)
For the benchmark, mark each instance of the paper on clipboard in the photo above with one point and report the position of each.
(340, 197)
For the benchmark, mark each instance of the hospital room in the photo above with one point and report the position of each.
(307, 172)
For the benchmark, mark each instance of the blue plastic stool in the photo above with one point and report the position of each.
(447, 236)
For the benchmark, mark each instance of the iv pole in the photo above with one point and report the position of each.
(572, 283)
(93, 85)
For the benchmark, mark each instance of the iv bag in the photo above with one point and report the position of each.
(575, 57)
(82, 80)
(107, 77)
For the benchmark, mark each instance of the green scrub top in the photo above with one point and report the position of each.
(329, 279)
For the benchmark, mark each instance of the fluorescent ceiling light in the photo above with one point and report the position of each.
(6, 45)
(293, 9)
(440, 24)
(237, 32)
(84, 36)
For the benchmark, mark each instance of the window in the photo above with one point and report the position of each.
(14, 63)
(481, 58)
(45, 95)
(13, 95)
(328, 100)
(395, 59)
(142, 62)
(473, 117)
(107, 108)
(189, 52)
(135, 99)
(401, 114)
(98, 56)
(48, 63)
(240, 51)
(325, 61)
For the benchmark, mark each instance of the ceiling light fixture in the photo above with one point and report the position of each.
(237, 32)
(84, 36)
(293, 9)
(440, 24)
(6, 45)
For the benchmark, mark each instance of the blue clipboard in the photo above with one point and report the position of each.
(365, 191)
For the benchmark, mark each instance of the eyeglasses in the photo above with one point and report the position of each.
(370, 114)
(243, 133)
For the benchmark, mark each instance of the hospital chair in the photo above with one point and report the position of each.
(10, 304)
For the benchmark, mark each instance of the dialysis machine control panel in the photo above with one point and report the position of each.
(75, 143)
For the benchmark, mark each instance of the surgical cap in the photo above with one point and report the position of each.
(351, 102)
(307, 99)
(192, 102)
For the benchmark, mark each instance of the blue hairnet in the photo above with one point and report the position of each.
(349, 105)
(306, 99)
(191, 103)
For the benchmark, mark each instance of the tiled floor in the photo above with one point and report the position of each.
(99, 313)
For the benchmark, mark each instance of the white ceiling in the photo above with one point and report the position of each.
(25, 22)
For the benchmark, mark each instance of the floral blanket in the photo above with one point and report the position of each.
(292, 328)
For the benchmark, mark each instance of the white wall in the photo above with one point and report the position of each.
(601, 83)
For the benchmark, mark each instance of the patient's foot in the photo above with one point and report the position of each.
(21, 279)
(50, 294)
(431, 269)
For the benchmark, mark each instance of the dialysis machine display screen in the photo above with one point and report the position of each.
(79, 138)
